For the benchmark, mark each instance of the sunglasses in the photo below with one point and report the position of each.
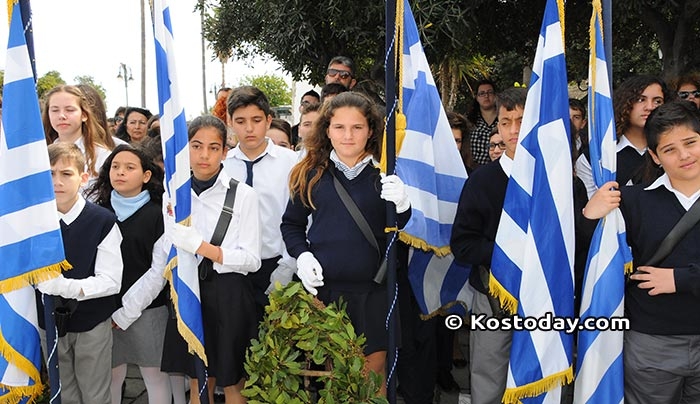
(118, 119)
(685, 94)
(500, 145)
(342, 73)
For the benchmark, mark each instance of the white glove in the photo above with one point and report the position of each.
(185, 237)
(282, 274)
(394, 190)
(60, 286)
(310, 272)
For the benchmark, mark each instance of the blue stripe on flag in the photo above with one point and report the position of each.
(600, 374)
(25, 131)
(22, 332)
(536, 278)
(430, 165)
(184, 282)
(45, 248)
(186, 298)
(15, 196)
(443, 183)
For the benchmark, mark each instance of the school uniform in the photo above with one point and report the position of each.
(348, 259)
(269, 176)
(228, 308)
(472, 242)
(142, 343)
(662, 348)
(630, 165)
(91, 242)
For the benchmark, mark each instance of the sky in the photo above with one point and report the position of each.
(92, 38)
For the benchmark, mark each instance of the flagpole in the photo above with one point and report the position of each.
(391, 286)
(52, 349)
(49, 304)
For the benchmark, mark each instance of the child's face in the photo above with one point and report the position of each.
(678, 153)
(349, 132)
(206, 153)
(67, 181)
(250, 124)
(279, 137)
(306, 124)
(66, 116)
(509, 123)
(648, 100)
(126, 174)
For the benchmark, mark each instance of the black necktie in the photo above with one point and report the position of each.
(249, 169)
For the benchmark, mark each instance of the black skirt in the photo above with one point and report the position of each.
(367, 311)
(228, 314)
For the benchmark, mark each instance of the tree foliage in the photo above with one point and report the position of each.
(274, 87)
(89, 80)
(302, 36)
(48, 81)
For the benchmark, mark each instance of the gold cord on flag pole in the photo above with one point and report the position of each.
(597, 14)
(10, 4)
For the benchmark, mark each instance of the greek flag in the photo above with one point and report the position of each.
(532, 264)
(182, 266)
(31, 247)
(599, 375)
(429, 164)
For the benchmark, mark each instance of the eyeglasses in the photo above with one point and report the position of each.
(685, 94)
(344, 74)
(485, 93)
(501, 145)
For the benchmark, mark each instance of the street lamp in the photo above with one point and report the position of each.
(125, 73)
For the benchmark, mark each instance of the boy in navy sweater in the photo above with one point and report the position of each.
(662, 347)
(91, 240)
(472, 242)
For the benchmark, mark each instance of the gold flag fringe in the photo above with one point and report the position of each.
(16, 393)
(421, 244)
(34, 277)
(534, 389)
(508, 302)
(193, 344)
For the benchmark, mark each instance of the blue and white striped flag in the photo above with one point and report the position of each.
(533, 259)
(430, 165)
(182, 266)
(31, 246)
(599, 369)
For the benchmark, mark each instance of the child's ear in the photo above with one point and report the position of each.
(147, 176)
(84, 177)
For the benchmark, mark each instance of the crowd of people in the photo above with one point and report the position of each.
(272, 201)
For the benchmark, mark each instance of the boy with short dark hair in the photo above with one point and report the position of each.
(258, 162)
(472, 242)
(91, 240)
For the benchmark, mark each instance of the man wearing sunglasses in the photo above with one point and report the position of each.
(689, 89)
(341, 69)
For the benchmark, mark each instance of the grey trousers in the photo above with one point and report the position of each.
(85, 365)
(661, 369)
(489, 353)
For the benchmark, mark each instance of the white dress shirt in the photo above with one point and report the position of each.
(240, 246)
(271, 182)
(664, 181)
(108, 266)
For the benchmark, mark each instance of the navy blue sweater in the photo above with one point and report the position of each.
(139, 232)
(348, 260)
(649, 217)
(80, 241)
(478, 213)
